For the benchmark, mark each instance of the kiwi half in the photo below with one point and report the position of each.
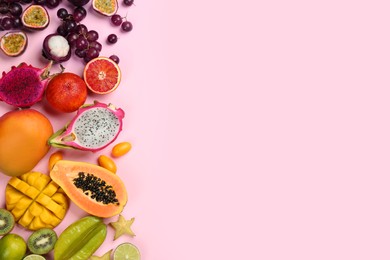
(42, 241)
(7, 222)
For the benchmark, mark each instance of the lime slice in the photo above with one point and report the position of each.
(126, 251)
(34, 257)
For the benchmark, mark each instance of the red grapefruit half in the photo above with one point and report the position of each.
(102, 75)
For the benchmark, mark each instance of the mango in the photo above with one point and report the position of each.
(23, 138)
(36, 201)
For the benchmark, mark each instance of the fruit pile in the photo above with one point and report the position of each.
(38, 202)
(71, 34)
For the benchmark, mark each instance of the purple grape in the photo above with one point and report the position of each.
(70, 25)
(96, 45)
(72, 38)
(127, 26)
(79, 13)
(6, 23)
(114, 58)
(62, 13)
(87, 59)
(128, 2)
(81, 29)
(17, 23)
(92, 53)
(15, 9)
(62, 30)
(80, 53)
(112, 38)
(116, 19)
(53, 3)
(3, 8)
(78, 2)
(92, 36)
(40, 2)
(81, 43)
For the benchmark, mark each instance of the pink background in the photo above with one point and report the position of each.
(260, 128)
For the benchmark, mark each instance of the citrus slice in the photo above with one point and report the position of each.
(127, 251)
(102, 75)
(34, 257)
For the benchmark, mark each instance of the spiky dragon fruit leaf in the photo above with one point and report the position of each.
(94, 127)
(24, 85)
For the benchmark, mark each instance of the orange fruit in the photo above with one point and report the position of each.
(66, 92)
(102, 75)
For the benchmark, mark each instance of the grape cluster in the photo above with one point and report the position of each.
(10, 12)
(83, 41)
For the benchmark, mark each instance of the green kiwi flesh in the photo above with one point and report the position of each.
(42, 241)
(7, 222)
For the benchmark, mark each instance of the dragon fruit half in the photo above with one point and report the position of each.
(94, 127)
(24, 85)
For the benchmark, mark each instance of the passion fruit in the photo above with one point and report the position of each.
(105, 7)
(13, 43)
(35, 17)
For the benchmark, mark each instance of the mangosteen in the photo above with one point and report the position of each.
(56, 48)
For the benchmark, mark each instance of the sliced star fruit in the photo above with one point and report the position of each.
(13, 43)
(122, 227)
(35, 17)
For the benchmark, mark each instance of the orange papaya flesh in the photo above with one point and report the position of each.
(92, 188)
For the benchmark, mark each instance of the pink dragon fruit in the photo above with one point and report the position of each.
(24, 85)
(94, 127)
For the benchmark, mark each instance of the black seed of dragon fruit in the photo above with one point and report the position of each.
(95, 127)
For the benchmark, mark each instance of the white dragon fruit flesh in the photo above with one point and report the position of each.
(24, 85)
(94, 127)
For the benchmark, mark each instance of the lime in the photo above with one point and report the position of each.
(126, 251)
(12, 246)
(34, 257)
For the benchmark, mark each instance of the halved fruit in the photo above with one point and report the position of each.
(105, 7)
(102, 75)
(36, 201)
(35, 17)
(92, 188)
(13, 43)
(127, 251)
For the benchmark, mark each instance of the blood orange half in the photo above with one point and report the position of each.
(102, 75)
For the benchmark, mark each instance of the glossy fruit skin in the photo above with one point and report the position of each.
(66, 92)
(23, 137)
(64, 172)
(81, 239)
(121, 149)
(106, 162)
(79, 2)
(12, 246)
(54, 157)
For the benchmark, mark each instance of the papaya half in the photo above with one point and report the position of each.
(92, 188)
